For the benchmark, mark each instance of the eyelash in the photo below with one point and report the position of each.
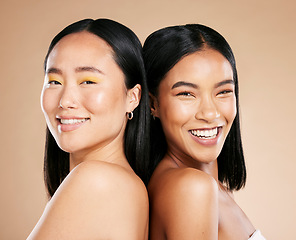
(225, 92)
(54, 82)
(88, 82)
(189, 94)
(185, 94)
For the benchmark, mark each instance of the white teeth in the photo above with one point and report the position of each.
(72, 121)
(212, 133)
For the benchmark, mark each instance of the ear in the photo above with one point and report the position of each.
(153, 105)
(133, 97)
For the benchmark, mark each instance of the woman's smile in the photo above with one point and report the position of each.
(206, 136)
(197, 105)
(67, 124)
(78, 97)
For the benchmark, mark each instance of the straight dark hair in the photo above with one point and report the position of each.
(128, 56)
(162, 50)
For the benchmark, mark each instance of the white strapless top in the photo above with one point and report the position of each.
(257, 236)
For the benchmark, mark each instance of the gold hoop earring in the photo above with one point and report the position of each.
(130, 115)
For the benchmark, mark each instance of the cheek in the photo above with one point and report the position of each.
(49, 101)
(94, 101)
(175, 112)
(102, 101)
(229, 110)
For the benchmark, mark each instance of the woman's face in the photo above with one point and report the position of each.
(84, 97)
(196, 105)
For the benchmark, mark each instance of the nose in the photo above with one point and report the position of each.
(68, 98)
(207, 110)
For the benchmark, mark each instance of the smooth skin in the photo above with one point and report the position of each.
(187, 200)
(102, 197)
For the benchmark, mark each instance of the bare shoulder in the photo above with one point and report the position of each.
(93, 200)
(177, 181)
(185, 202)
(106, 176)
(100, 181)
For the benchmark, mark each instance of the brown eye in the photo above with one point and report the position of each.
(225, 92)
(185, 94)
(88, 82)
(54, 82)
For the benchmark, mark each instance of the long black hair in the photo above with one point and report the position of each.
(162, 50)
(128, 56)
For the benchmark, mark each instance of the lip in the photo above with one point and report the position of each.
(70, 123)
(205, 141)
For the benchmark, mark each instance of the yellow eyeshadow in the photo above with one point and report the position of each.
(91, 79)
(52, 79)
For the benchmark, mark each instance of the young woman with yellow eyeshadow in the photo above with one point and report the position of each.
(95, 102)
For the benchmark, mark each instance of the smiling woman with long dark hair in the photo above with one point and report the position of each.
(196, 150)
(95, 102)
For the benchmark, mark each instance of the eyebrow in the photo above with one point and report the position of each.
(88, 69)
(78, 69)
(219, 84)
(182, 83)
(54, 70)
(188, 84)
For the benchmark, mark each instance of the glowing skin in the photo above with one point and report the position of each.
(84, 98)
(196, 105)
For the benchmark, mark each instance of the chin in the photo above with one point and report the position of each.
(67, 147)
(206, 158)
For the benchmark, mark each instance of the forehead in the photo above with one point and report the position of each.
(206, 64)
(80, 47)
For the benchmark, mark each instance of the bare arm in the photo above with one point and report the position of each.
(96, 201)
(188, 206)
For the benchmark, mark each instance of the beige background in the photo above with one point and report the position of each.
(262, 35)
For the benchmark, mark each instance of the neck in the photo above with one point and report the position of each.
(111, 153)
(210, 168)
